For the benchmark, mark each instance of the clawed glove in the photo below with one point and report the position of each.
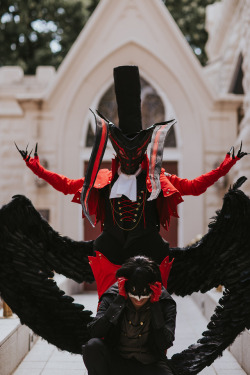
(24, 153)
(240, 153)
(156, 289)
(121, 287)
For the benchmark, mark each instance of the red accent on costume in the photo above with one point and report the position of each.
(165, 268)
(121, 286)
(98, 155)
(104, 272)
(173, 187)
(156, 289)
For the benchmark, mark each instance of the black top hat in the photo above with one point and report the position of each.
(128, 98)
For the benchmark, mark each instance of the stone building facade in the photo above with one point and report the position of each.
(228, 70)
(52, 108)
(228, 48)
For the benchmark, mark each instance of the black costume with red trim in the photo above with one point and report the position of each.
(132, 228)
(30, 249)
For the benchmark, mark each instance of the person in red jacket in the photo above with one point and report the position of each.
(128, 227)
(137, 196)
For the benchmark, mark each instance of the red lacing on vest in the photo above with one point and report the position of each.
(128, 210)
(125, 210)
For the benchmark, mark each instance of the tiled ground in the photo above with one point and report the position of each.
(45, 359)
(190, 324)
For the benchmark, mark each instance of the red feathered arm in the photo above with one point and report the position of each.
(59, 182)
(200, 184)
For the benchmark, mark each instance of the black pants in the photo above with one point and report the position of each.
(101, 360)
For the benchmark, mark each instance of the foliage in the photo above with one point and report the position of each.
(190, 17)
(39, 32)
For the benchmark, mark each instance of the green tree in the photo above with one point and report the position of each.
(41, 32)
(92, 5)
(190, 17)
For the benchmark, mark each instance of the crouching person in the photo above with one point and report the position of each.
(134, 325)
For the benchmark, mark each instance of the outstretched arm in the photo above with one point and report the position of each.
(200, 184)
(59, 182)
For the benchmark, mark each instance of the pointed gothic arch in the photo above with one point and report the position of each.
(152, 107)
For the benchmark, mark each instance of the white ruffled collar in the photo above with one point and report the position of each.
(125, 185)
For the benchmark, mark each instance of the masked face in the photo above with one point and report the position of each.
(138, 285)
(138, 302)
(139, 273)
(139, 294)
(131, 149)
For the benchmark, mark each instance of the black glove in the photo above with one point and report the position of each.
(24, 153)
(240, 153)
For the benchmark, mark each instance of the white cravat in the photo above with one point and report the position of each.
(125, 185)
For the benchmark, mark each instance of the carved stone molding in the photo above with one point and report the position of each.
(244, 134)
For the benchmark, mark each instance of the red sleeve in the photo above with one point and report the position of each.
(200, 184)
(59, 182)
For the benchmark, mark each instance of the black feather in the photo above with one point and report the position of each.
(222, 256)
(30, 250)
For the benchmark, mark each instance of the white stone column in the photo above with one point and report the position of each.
(243, 166)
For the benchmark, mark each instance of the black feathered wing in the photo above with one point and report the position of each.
(29, 251)
(222, 256)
